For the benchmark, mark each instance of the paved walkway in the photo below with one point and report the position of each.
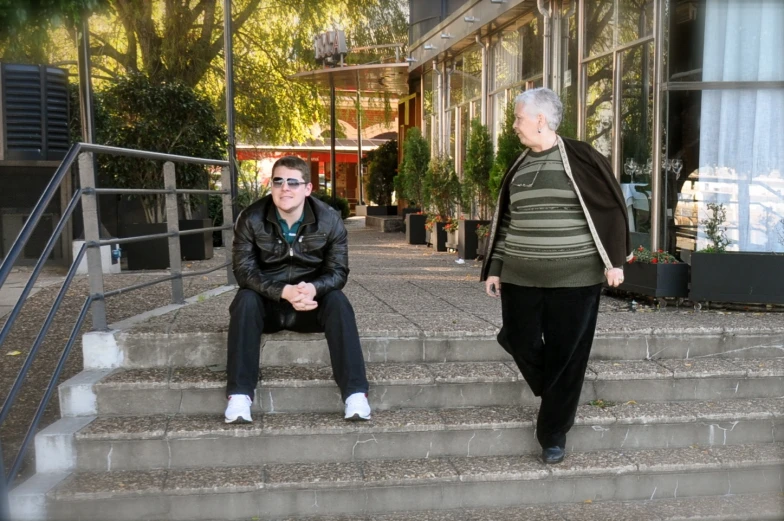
(397, 288)
(17, 280)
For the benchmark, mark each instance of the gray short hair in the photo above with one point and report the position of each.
(542, 101)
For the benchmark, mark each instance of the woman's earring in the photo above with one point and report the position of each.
(539, 130)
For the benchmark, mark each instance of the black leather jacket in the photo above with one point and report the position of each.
(264, 262)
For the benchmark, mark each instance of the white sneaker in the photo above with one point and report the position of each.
(238, 409)
(357, 407)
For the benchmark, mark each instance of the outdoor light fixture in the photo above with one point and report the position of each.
(446, 36)
(470, 19)
(497, 1)
(428, 47)
(411, 59)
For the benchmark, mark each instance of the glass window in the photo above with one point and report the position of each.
(507, 60)
(726, 147)
(726, 40)
(635, 20)
(598, 106)
(637, 134)
(599, 26)
(533, 47)
(465, 125)
(568, 126)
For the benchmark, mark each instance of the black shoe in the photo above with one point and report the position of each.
(552, 455)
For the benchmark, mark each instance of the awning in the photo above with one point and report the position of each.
(377, 77)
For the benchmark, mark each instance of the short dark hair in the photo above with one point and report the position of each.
(295, 163)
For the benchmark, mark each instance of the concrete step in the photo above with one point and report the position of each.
(145, 442)
(746, 507)
(309, 388)
(382, 486)
(147, 346)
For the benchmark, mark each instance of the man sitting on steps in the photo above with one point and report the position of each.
(290, 258)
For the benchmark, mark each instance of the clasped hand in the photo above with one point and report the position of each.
(302, 296)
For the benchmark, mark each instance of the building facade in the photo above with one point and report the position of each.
(684, 97)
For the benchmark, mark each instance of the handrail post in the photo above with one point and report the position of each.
(228, 218)
(92, 235)
(173, 226)
(5, 514)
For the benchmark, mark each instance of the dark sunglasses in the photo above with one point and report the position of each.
(293, 183)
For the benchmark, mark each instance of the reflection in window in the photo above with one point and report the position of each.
(599, 26)
(507, 57)
(533, 47)
(635, 20)
(568, 126)
(731, 150)
(637, 135)
(598, 107)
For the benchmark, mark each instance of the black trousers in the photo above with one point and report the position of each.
(549, 333)
(252, 315)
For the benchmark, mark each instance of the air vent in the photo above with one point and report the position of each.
(34, 113)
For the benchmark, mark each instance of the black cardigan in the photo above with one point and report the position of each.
(600, 196)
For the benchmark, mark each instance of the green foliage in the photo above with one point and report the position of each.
(341, 203)
(476, 172)
(442, 187)
(160, 117)
(509, 149)
(249, 190)
(382, 169)
(715, 229)
(413, 168)
(645, 256)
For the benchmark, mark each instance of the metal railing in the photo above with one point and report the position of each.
(87, 194)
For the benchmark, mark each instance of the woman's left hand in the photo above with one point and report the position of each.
(614, 277)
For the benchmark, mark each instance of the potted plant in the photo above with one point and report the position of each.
(409, 183)
(382, 169)
(476, 194)
(436, 234)
(451, 226)
(718, 275)
(655, 274)
(161, 117)
(442, 193)
(482, 234)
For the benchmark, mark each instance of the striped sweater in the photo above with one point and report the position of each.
(543, 239)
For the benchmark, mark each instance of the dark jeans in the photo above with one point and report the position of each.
(252, 315)
(549, 333)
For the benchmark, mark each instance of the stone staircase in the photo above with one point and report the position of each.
(673, 426)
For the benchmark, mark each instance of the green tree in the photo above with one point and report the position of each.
(509, 149)
(25, 25)
(476, 172)
(382, 169)
(183, 41)
(442, 187)
(161, 117)
(413, 168)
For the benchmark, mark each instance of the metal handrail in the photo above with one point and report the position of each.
(88, 195)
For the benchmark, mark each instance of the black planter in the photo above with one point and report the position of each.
(467, 241)
(743, 277)
(656, 280)
(154, 254)
(481, 246)
(438, 237)
(382, 210)
(415, 228)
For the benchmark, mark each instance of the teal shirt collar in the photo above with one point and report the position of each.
(289, 233)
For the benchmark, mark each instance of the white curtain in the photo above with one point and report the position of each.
(742, 131)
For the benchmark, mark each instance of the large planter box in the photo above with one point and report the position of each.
(468, 242)
(415, 228)
(154, 254)
(438, 237)
(382, 210)
(743, 277)
(656, 280)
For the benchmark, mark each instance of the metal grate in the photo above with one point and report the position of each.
(56, 104)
